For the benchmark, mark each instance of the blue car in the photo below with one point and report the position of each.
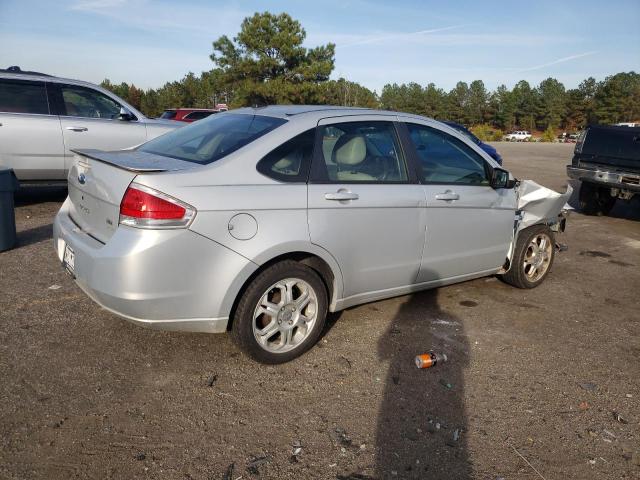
(486, 147)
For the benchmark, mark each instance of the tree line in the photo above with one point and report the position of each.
(267, 64)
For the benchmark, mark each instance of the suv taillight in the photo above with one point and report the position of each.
(144, 207)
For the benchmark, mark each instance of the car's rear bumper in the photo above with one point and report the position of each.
(161, 279)
(623, 180)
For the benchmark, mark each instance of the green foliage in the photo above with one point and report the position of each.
(549, 135)
(266, 62)
(487, 133)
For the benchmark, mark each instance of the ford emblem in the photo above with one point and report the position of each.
(82, 179)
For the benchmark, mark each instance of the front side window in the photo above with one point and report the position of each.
(88, 103)
(290, 161)
(362, 152)
(445, 159)
(19, 96)
(212, 138)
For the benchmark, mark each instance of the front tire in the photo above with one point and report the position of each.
(532, 258)
(595, 200)
(281, 314)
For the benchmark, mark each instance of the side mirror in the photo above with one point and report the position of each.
(500, 179)
(125, 115)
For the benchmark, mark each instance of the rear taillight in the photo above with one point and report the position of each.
(144, 207)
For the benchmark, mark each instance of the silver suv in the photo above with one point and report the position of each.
(42, 118)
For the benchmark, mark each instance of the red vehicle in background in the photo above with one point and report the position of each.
(191, 114)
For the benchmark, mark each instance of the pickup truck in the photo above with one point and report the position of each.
(606, 160)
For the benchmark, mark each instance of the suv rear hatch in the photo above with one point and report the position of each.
(615, 147)
(98, 180)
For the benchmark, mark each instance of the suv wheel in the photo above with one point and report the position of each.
(281, 314)
(595, 200)
(532, 258)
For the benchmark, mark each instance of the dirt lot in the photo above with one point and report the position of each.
(535, 376)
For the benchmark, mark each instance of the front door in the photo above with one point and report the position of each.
(469, 224)
(90, 119)
(365, 207)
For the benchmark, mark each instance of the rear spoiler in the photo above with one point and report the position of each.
(136, 161)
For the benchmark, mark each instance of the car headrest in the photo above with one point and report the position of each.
(350, 150)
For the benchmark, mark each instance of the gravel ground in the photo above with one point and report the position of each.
(535, 376)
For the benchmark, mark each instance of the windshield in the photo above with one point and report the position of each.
(212, 138)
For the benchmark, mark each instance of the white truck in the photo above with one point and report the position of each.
(518, 136)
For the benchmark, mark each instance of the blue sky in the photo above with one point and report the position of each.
(149, 42)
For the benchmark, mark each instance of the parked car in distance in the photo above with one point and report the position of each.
(42, 118)
(263, 220)
(187, 114)
(606, 160)
(493, 153)
(518, 136)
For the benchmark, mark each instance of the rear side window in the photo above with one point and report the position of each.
(445, 159)
(290, 161)
(17, 96)
(168, 114)
(213, 138)
(367, 152)
(197, 115)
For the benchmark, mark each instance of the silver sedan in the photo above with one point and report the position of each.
(261, 221)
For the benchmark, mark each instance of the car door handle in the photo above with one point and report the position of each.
(77, 129)
(341, 196)
(447, 196)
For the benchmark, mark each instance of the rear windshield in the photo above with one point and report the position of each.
(212, 138)
(612, 142)
(168, 114)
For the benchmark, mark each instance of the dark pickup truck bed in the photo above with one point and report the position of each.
(607, 162)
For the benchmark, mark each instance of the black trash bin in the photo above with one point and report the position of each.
(8, 185)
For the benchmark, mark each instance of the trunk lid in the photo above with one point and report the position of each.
(98, 180)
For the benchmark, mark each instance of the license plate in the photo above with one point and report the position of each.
(69, 259)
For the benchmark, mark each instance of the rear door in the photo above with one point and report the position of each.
(364, 204)
(30, 137)
(90, 119)
(469, 224)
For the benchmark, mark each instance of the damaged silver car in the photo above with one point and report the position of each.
(261, 221)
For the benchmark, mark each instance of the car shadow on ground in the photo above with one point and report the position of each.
(31, 195)
(422, 421)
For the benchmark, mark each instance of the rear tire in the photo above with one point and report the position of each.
(532, 258)
(281, 313)
(595, 200)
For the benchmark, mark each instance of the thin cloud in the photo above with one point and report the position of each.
(396, 36)
(560, 60)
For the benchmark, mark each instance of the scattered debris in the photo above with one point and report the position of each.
(527, 462)
(592, 461)
(396, 379)
(448, 323)
(562, 247)
(342, 437)
(252, 466)
(620, 418)
(140, 456)
(445, 384)
(584, 405)
(55, 287)
(344, 361)
(628, 395)
(228, 475)
(211, 380)
(588, 386)
(297, 450)
(430, 359)
(607, 432)
(452, 442)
